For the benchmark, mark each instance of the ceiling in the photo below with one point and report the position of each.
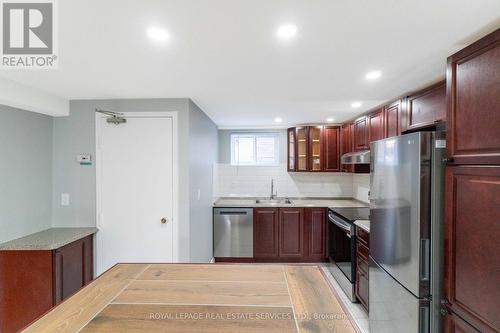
(225, 55)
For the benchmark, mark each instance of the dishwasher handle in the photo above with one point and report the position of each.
(232, 213)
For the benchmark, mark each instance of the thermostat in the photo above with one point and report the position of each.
(84, 159)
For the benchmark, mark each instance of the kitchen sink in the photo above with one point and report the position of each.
(274, 201)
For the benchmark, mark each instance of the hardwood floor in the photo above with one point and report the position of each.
(201, 298)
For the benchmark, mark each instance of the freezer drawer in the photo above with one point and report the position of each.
(233, 232)
(393, 309)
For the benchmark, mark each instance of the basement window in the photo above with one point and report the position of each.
(255, 149)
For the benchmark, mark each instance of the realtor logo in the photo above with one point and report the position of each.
(28, 34)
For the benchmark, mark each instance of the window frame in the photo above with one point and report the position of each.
(255, 136)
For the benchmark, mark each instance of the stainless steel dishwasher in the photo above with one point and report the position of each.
(233, 232)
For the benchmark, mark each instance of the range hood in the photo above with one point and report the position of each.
(357, 157)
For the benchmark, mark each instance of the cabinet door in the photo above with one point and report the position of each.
(392, 114)
(346, 144)
(291, 232)
(426, 107)
(72, 268)
(473, 103)
(291, 149)
(265, 232)
(472, 254)
(454, 324)
(376, 126)
(316, 158)
(315, 225)
(360, 134)
(361, 287)
(301, 136)
(331, 137)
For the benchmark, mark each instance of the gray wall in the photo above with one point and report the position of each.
(202, 156)
(225, 143)
(25, 172)
(76, 134)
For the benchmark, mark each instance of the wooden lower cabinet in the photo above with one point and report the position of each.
(472, 254)
(454, 324)
(362, 259)
(32, 282)
(265, 233)
(315, 231)
(289, 234)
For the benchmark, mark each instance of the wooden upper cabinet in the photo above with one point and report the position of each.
(361, 133)
(426, 107)
(392, 119)
(302, 151)
(376, 126)
(472, 254)
(291, 232)
(291, 147)
(314, 148)
(346, 144)
(473, 102)
(316, 158)
(331, 148)
(265, 232)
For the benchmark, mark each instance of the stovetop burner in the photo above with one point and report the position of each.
(352, 213)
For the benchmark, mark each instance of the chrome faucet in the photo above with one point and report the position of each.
(273, 194)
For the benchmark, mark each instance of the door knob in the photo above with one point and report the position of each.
(163, 220)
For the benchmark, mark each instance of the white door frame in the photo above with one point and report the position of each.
(175, 178)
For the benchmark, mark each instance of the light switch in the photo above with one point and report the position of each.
(199, 194)
(65, 199)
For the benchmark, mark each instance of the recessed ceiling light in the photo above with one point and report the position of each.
(330, 119)
(356, 104)
(373, 75)
(287, 31)
(158, 34)
(278, 120)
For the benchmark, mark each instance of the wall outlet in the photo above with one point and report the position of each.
(65, 199)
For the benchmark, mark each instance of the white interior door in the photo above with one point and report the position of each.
(135, 191)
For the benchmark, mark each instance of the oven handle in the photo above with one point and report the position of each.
(341, 224)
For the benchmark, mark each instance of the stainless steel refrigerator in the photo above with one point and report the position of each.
(406, 208)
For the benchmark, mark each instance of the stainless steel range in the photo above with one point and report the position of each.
(342, 245)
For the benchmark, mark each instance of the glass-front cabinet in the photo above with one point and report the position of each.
(291, 149)
(310, 149)
(316, 148)
(302, 149)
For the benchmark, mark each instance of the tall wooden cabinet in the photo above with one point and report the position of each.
(472, 215)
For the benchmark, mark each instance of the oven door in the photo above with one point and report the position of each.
(342, 245)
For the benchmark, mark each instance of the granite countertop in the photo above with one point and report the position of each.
(296, 202)
(48, 239)
(363, 224)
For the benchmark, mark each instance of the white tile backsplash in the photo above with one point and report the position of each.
(361, 187)
(251, 181)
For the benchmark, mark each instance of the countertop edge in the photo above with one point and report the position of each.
(20, 244)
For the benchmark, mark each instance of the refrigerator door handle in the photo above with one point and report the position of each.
(424, 323)
(425, 259)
